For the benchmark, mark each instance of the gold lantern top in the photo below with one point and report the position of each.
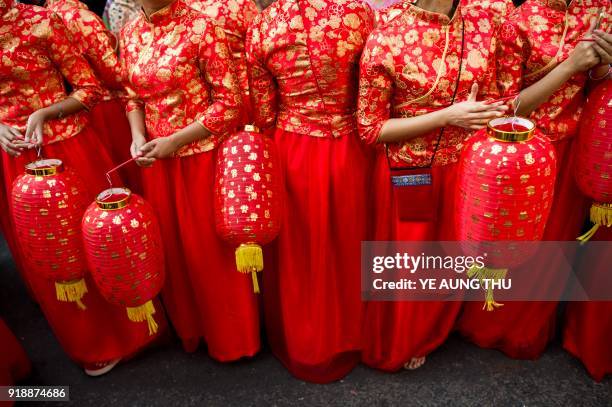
(511, 129)
(113, 198)
(45, 167)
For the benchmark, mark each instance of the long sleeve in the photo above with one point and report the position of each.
(222, 115)
(73, 66)
(99, 49)
(262, 85)
(375, 91)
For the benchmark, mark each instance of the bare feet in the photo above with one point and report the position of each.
(100, 368)
(414, 363)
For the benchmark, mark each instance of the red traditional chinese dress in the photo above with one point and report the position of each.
(303, 59)
(234, 16)
(410, 67)
(36, 59)
(498, 9)
(180, 71)
(98, 46)
(532, 41)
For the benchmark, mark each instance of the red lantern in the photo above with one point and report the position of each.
(506, 183)
(247, 202)
(593, 168)
(124, 251)
(47, 204)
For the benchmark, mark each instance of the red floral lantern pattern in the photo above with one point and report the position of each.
(47, 203)
(247, 202)
(506, 184)
(124, 251)
(593, 168)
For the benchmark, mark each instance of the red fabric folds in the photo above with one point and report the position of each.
(395, 332)
(205, 296)
(312, 295)
(587, 333)
(14, 363)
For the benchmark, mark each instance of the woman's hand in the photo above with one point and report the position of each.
(603, 46)
(582, 58)
(35, 127)
(139, 140)
(163, 147)
(471, 114)
(10, 140)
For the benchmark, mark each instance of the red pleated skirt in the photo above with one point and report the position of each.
(109, 120)
(312, 296)
(103, 331)
(587, 333)
(522, 330)
(205, 296)
(397, 331)
(14, 363)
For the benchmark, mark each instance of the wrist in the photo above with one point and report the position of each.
(443, 116)
(567, 68)
(175, 141)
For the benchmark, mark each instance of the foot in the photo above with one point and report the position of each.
(414, 363)
(100, 368)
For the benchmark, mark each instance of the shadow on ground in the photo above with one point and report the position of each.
(457, 374)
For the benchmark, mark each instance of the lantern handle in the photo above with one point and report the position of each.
(516, 103)
(39, 152)
(108, 173)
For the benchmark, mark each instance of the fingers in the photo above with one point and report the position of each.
(28, 133)
(148, 147)
(10, 148)
(499, 106)
(16, 134)
(604, 36)
(38, 136)
(603, 49)
(145, 162)
(473, 93)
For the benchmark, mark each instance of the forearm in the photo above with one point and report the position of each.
(194, 132)
(532, 97)
(63, 108)
(397, 130)
(136, 119)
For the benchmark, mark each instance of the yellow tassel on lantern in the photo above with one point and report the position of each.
(71, 291)
(601, 215)
(249, 259)
(493, 275)
(143, 313)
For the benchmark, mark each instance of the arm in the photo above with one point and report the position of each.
(74, 68)
(263, 89)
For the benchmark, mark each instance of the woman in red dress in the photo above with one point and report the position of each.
(541, 56)
(303, 57)
(184, 99)
(36, 59)
(234, 16)
(421, 73)
(98, 46)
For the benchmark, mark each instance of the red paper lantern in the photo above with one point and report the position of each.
(506, 183)
(247, 202)
(47, 204)
(124, 251)
(593, 168)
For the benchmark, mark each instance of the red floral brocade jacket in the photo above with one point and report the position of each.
(303, 59)
(532, 41)
(36, 56)
(234, 16)
(179, 70)
(410, 66)
(96, 43)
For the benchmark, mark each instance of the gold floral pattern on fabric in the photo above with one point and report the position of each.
(36, 57)
(532, 41)
(96, 43)
(403, 74)
(498, 9)
(234, 16)
(179, 70)
(302, 73)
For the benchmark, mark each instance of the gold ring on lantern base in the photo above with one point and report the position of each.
(116, 204)
(45, 167)
(511, 136)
